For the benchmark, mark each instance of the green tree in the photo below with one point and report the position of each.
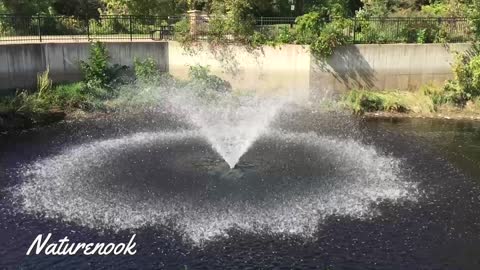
(237, 15)
(334, 8)
(473, 13)
(77, 8)
(145, 7)
(27, 7)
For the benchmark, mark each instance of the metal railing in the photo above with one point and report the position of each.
(15, 28)
(409, 30)
(47, 28)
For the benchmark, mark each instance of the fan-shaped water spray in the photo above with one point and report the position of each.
(103, 185)
(230, 123)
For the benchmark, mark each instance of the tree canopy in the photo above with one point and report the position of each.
(331, 8)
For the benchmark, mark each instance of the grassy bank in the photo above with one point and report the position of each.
(395, 103)
(110, 88)
(106, 88)
(457, 97)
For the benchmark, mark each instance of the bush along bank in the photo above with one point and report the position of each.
(106, 88)
(457, 98)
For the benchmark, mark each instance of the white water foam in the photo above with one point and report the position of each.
(64, 187)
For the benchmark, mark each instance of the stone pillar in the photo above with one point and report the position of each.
(195, 19)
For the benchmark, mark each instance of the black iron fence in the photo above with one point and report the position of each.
(43, 28)
(409, 30)
(128, 27)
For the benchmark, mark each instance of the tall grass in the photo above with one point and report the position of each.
(361, 101)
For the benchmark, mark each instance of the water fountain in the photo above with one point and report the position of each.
(286, 182)
(230, 123)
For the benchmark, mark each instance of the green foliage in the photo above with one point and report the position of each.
(322, 36)
(96, 70)
(437, 94)
(462, 90)
(331, 37)
(182, 32)
(146, 69)
(100, 77)
(217, 29)
(473, 14)
(231, 20)
(438, 9)
(203, 81)
(27, 7)
(142, 7)
(334, 8)
(308, 27)
(65, 97)
(44, 84)
(71, 96)
(273, 35)
(238, 17)
(422, 36)
(466, 83)
(415, 31)
(361, 101)
(112, 24)
(258, 39)
(378, 8)
(78, 8)
(284, 35)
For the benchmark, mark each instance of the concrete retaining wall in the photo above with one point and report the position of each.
(283, 69)
(386, 66)
(20, 63)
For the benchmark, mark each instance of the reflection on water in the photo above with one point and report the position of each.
(457, 141)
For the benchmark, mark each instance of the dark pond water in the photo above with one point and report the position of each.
(317, 192)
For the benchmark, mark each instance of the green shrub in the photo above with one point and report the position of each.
(30, 103)
(44, 84)
(96, 70)
(308, 27)
(146, 69)
(99, 76)
(258, 39)
(284, 35)
(217, 29)
(239, 19)
(110, 25)
(182, 31)
(360, 101)
(6, 104)
(437, 94)
(203, 81)
(70, 96)
(331, 37)
(323, 37)
(466, 83)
